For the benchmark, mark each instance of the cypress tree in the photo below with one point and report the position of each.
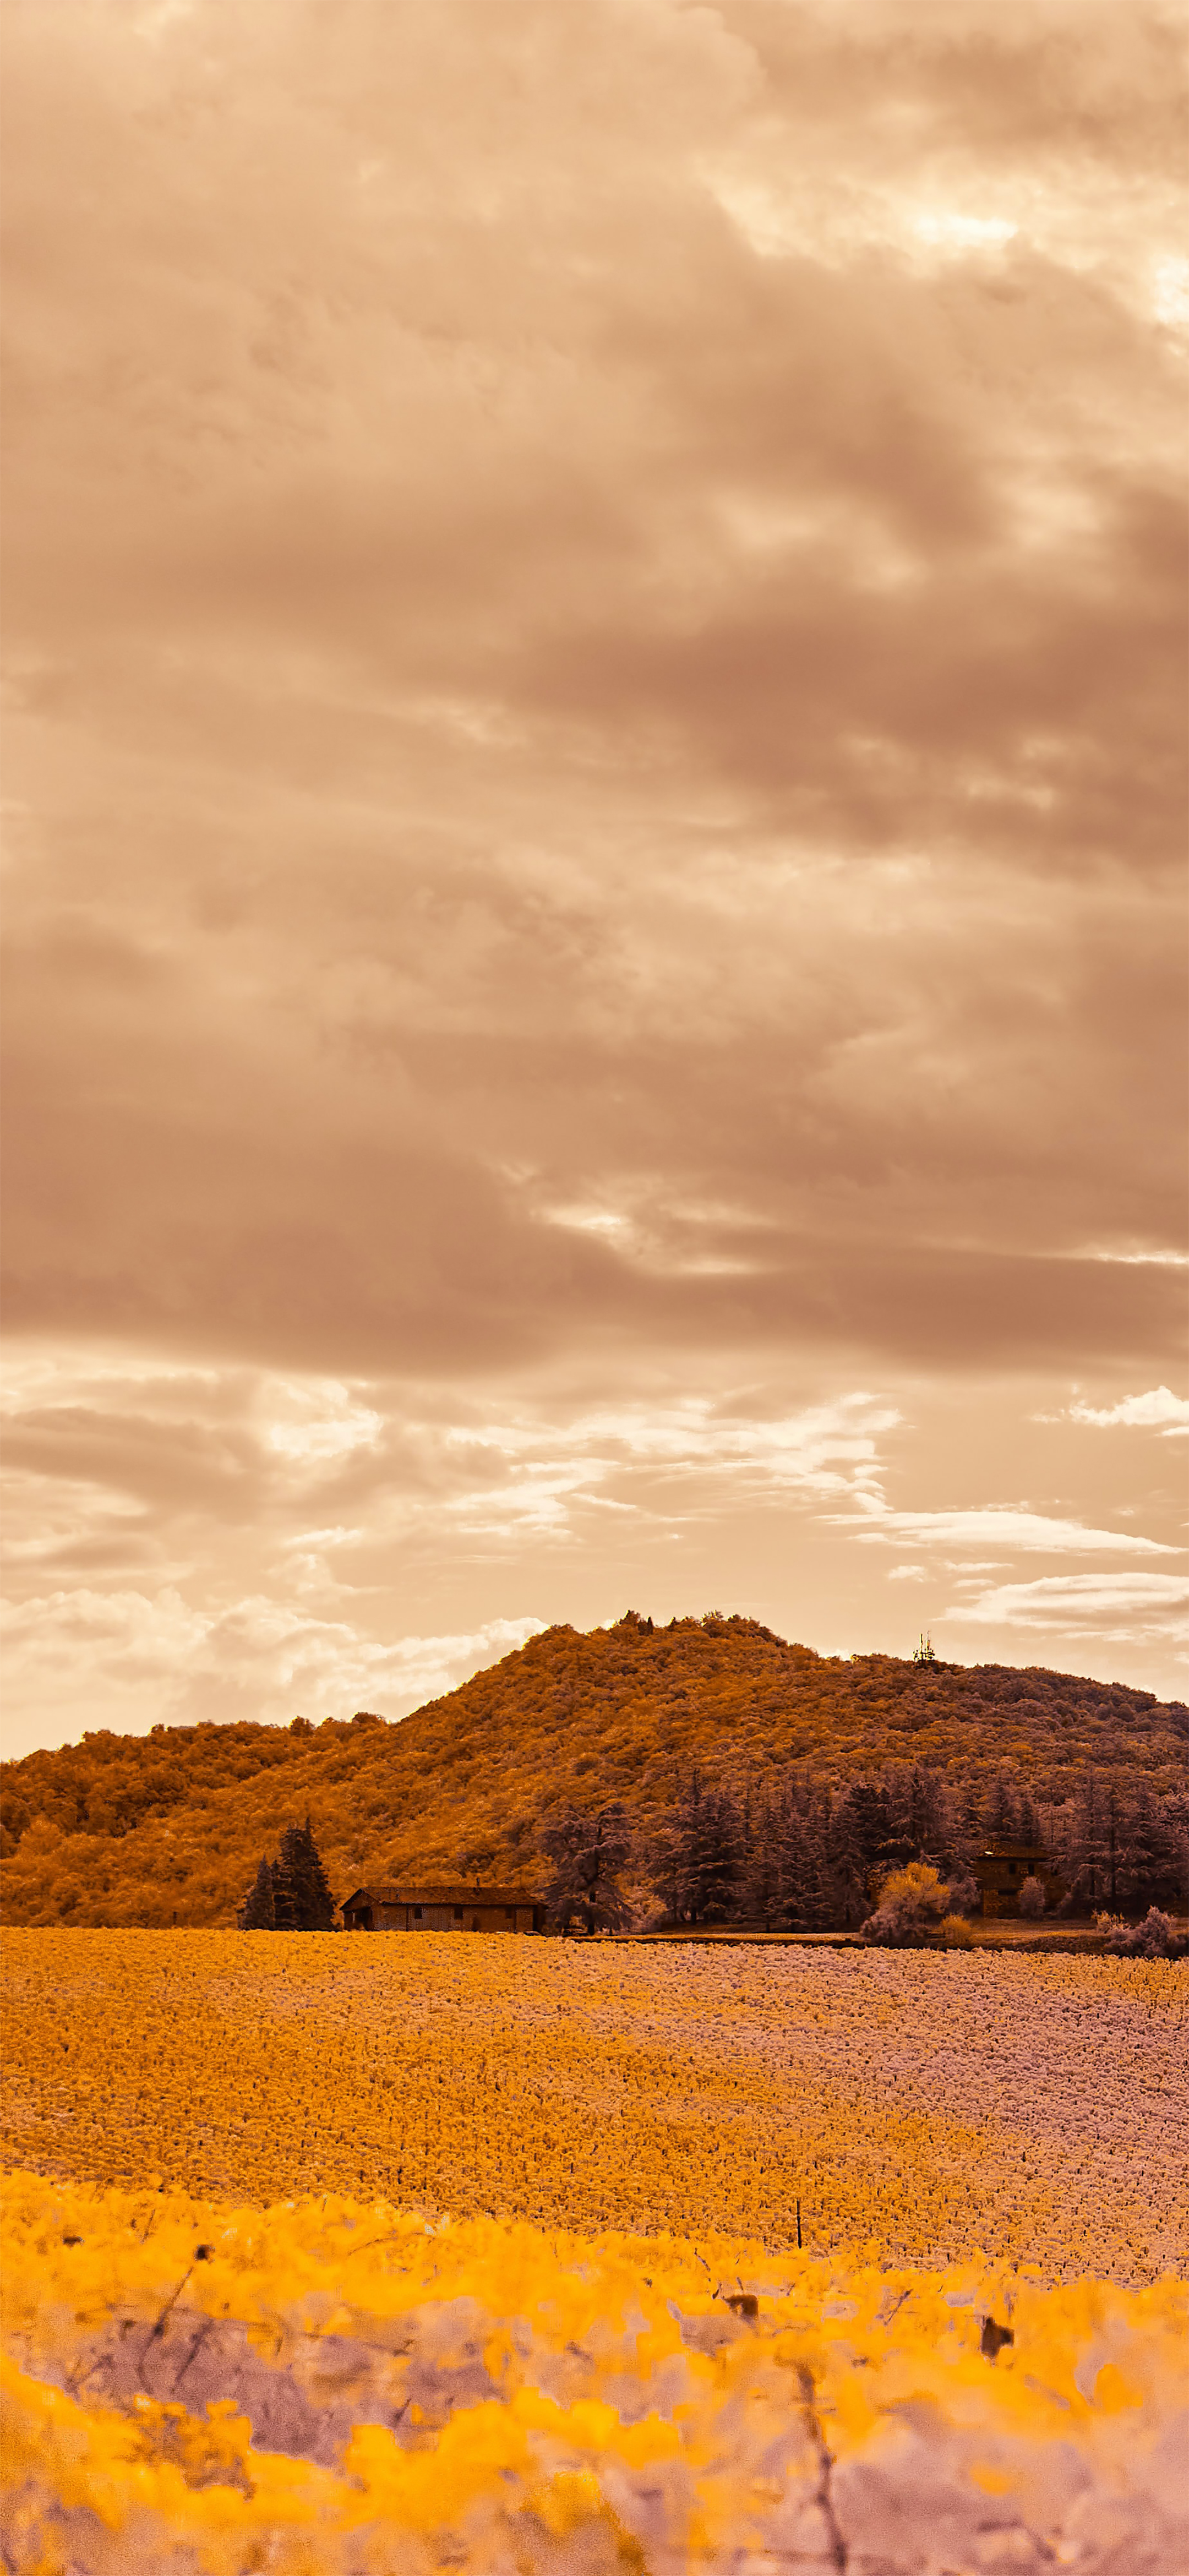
(258, 1911)
(302, 1889)
(284, 1889)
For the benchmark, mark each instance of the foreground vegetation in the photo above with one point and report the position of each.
(806, 1766)
(332, 2257)
(934, 2103)
(205, 2389)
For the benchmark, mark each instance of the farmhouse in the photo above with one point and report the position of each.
(410, 1908)
(1001, 1871)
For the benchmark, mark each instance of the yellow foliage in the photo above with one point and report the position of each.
(933, 2103)
(243, 2334)
(570, 2385)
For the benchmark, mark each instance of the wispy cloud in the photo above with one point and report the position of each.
(1108, 1607)
(999, 1525)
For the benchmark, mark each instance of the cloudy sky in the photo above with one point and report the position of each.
(595, 697)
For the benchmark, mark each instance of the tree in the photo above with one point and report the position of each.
(1151, 1858)
(762, 1889)
(913, 1903)
(588, 1853)
(1002, 1822)
(858, 1826)
(1032, 1898)
(703, 1862)
(816, 1897)
(302, 1900)
(1088, 1858)
(258, 1912)
(797, 1877)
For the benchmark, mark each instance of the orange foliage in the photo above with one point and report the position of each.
(170, 1827)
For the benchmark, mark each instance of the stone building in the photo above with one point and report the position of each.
(412, 1907)
(1001, 1871)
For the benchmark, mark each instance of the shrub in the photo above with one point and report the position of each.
(1032, 1898)
(1154, 1938)
(956, 1933)
(913, 1902)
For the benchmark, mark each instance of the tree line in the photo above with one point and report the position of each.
(896, 1852)
(805, 1857)
(169, 1827)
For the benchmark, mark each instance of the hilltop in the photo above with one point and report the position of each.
(170, 1826)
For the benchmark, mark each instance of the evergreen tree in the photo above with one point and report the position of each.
(1152, 1855)
(1088, 1853)
(301, 1890)
(868, 1813)
(923, 1821)
(761, 1889)
(857, 1828)
(794, 1875)
(1113, 1839)
(707, 1868)
(999, 1811)
(258, 1911)
(284, 1893)
(817, 1896)
(588, 1854)
(1027, 1828)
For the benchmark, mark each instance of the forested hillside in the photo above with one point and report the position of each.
(171, 1827)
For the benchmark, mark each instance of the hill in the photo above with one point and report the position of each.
(169, 1827)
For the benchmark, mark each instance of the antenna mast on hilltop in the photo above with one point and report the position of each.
(923, 1654)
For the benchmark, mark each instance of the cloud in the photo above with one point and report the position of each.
(107, 1454)
(1159, 1408)
(152, 1660)
(749, 828)
(596, 754)
(1000, 1525)
(1104, 1607)
(204, 1541)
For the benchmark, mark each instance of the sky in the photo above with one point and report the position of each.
(595, 823)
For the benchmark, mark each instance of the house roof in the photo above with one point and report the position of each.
(1012, 1851)
(410, 1894)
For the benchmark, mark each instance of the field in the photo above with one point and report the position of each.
(471, 2213)
(936, 2103)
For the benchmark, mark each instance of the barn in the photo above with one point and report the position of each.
(413, 1908)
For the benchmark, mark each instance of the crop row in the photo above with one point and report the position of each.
(1032, 2108)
